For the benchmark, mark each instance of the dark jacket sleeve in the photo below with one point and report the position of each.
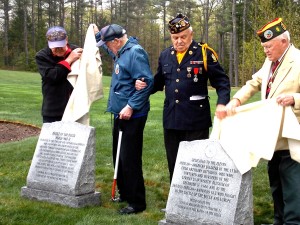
(140, 70)
(49, 68)
(218, 79)
(159, 79)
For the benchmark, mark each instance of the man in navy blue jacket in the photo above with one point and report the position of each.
(130, 109)
(183, 72)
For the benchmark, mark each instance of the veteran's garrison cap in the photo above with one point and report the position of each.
(179, 24)
(271, 30)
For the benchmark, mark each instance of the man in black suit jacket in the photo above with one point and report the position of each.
(183, 72)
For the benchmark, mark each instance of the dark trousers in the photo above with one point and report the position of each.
(174, 137)
(284, 177)
(50, 119)
(130, 179)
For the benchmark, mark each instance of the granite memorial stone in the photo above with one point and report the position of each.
(63, 166)
(207, 188)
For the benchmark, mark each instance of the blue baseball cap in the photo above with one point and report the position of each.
(110, 32)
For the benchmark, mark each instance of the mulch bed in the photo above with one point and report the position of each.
(15, 131)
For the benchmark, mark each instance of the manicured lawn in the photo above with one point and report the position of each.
(20, 100)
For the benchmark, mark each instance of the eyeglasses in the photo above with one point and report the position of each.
(56, 36)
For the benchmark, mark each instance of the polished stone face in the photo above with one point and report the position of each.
(63, 165)
(206, 187)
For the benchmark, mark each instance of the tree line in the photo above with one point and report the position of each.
(228, 26)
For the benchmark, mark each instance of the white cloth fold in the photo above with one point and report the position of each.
(291, 130)
(86, 78)
(252, 133)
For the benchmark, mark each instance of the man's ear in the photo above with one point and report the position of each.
(284, 40)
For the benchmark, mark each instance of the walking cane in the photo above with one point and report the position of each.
(113, 189)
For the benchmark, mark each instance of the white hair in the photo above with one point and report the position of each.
(285, 35)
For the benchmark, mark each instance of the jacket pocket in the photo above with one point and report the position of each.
(167, 71)
(117, 102)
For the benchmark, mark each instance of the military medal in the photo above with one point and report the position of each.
(117, 69)
(196, 71)
(195, 78)
(200, 70)
(189, 70)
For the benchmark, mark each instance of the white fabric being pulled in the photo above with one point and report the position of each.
(252, 133)
(291, 130)
(86, 78)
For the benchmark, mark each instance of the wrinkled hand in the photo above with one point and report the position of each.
(285, 100)
(74, 55)
(126, 113)
(220, 111)
(230, 107)
(140, 84)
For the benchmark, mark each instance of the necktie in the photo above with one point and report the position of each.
(272, 77)
(274, 66)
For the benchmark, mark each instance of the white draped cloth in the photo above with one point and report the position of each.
(252, 133)
(86, 78)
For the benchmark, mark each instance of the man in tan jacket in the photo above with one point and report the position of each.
(279, 78)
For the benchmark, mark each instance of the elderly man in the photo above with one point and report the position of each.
(278, 78)
(54, 64)
(183, 72)
(130, 109)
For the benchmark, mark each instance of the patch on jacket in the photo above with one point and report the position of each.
(117, 69)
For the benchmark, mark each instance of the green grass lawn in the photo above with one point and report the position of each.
(20, 100)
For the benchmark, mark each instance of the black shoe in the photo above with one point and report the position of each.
(130, 210)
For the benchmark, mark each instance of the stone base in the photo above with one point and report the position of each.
(63, 199)
(164, 222)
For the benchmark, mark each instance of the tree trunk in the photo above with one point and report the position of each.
(164, 23)
(234, 44)
(230, 58)
(206, 19)
(221, 47)
(254, 34)
(244, 41)
(6, 26)
(25, 32)
(61, 13)
(33, 12)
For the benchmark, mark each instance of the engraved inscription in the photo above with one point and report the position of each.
(207, 184)
(57, 156)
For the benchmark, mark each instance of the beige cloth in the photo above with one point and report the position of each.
(252, 133)
(86, 78)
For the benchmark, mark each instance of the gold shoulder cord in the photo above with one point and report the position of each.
(204, 47)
